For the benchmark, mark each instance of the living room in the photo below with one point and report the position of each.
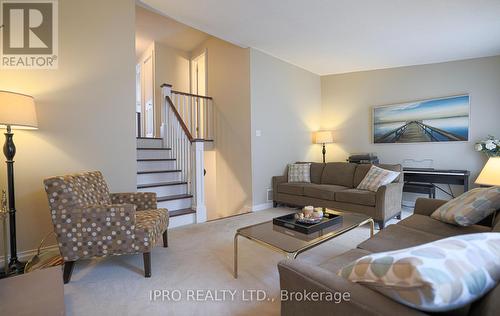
(399, 98)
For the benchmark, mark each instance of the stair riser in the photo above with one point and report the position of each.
(155, 165)
(153, 154)
(149, 143)
(181, 220)
(176, 204)
(167, 190)
(158, 177)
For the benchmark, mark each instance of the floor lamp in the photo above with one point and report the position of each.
(323, 137)
(17, 111)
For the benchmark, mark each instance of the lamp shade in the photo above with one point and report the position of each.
(490, 175)
(323, 137)
(17, 110)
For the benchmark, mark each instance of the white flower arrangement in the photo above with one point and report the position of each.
(490, 146)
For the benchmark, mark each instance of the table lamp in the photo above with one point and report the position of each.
(490, 175)
(323, 137)
(17, 111)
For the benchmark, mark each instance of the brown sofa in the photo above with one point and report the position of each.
(420, 228)
(333, 185)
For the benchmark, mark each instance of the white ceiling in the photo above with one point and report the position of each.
(150, 26)
(338, 36)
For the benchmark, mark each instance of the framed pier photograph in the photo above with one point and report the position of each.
(433, 120)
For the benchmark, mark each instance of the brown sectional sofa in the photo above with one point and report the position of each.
(420, 228)
(333, 185)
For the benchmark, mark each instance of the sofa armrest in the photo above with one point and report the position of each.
(277, 180)
(297, 276)
(141, 200)
(388, 200)
(426, 207)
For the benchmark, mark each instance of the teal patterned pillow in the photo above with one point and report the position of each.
(469, 208)
(439, 276)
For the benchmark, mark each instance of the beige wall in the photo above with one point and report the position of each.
(286, 108)
(172, 67)
(85, 110)
(347, 102)
(229, 85)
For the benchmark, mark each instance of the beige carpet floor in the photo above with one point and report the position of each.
(199, 257)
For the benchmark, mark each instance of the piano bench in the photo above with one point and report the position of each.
(422, 188)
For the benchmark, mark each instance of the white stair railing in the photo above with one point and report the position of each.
(187, 150)
(197, 112)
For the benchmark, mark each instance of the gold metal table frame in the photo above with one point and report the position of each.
(292, 255)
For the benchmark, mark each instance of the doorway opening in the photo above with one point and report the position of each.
(199, 74)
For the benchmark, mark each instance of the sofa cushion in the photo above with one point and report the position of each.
(338, 173)
(291, 188)
(395, 237)
(356, 196)
(489, 305)
(496, 228)
(429, 225)
(377, 177)
(323, 191)
(360, 173)
(439, 276)
(338, 262)
(362, 170)
(469, 208)
(316, 172)
(299, 172)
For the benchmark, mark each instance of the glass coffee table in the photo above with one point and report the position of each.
(291, 243)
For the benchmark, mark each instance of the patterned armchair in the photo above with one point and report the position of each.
(90, 222)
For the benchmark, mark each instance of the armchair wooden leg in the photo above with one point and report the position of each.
(147, 264)
(165, 239)
(68, 270)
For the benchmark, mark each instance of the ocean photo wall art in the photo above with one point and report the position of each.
(434, 120)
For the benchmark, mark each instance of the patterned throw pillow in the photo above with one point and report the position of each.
(470, 207)
(299, 172)
(439, 276)
(377, 177)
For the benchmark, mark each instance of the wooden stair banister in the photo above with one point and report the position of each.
(196, 112)
(181, 121)
(186, 147)
(192, 95)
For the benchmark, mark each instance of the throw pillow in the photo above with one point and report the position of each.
(377, 177)
(299, 172)
(470, 207)
(438, 276)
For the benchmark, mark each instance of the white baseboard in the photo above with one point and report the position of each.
(261, 207)
(27, 254)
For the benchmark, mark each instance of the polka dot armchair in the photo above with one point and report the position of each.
(91, 222)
